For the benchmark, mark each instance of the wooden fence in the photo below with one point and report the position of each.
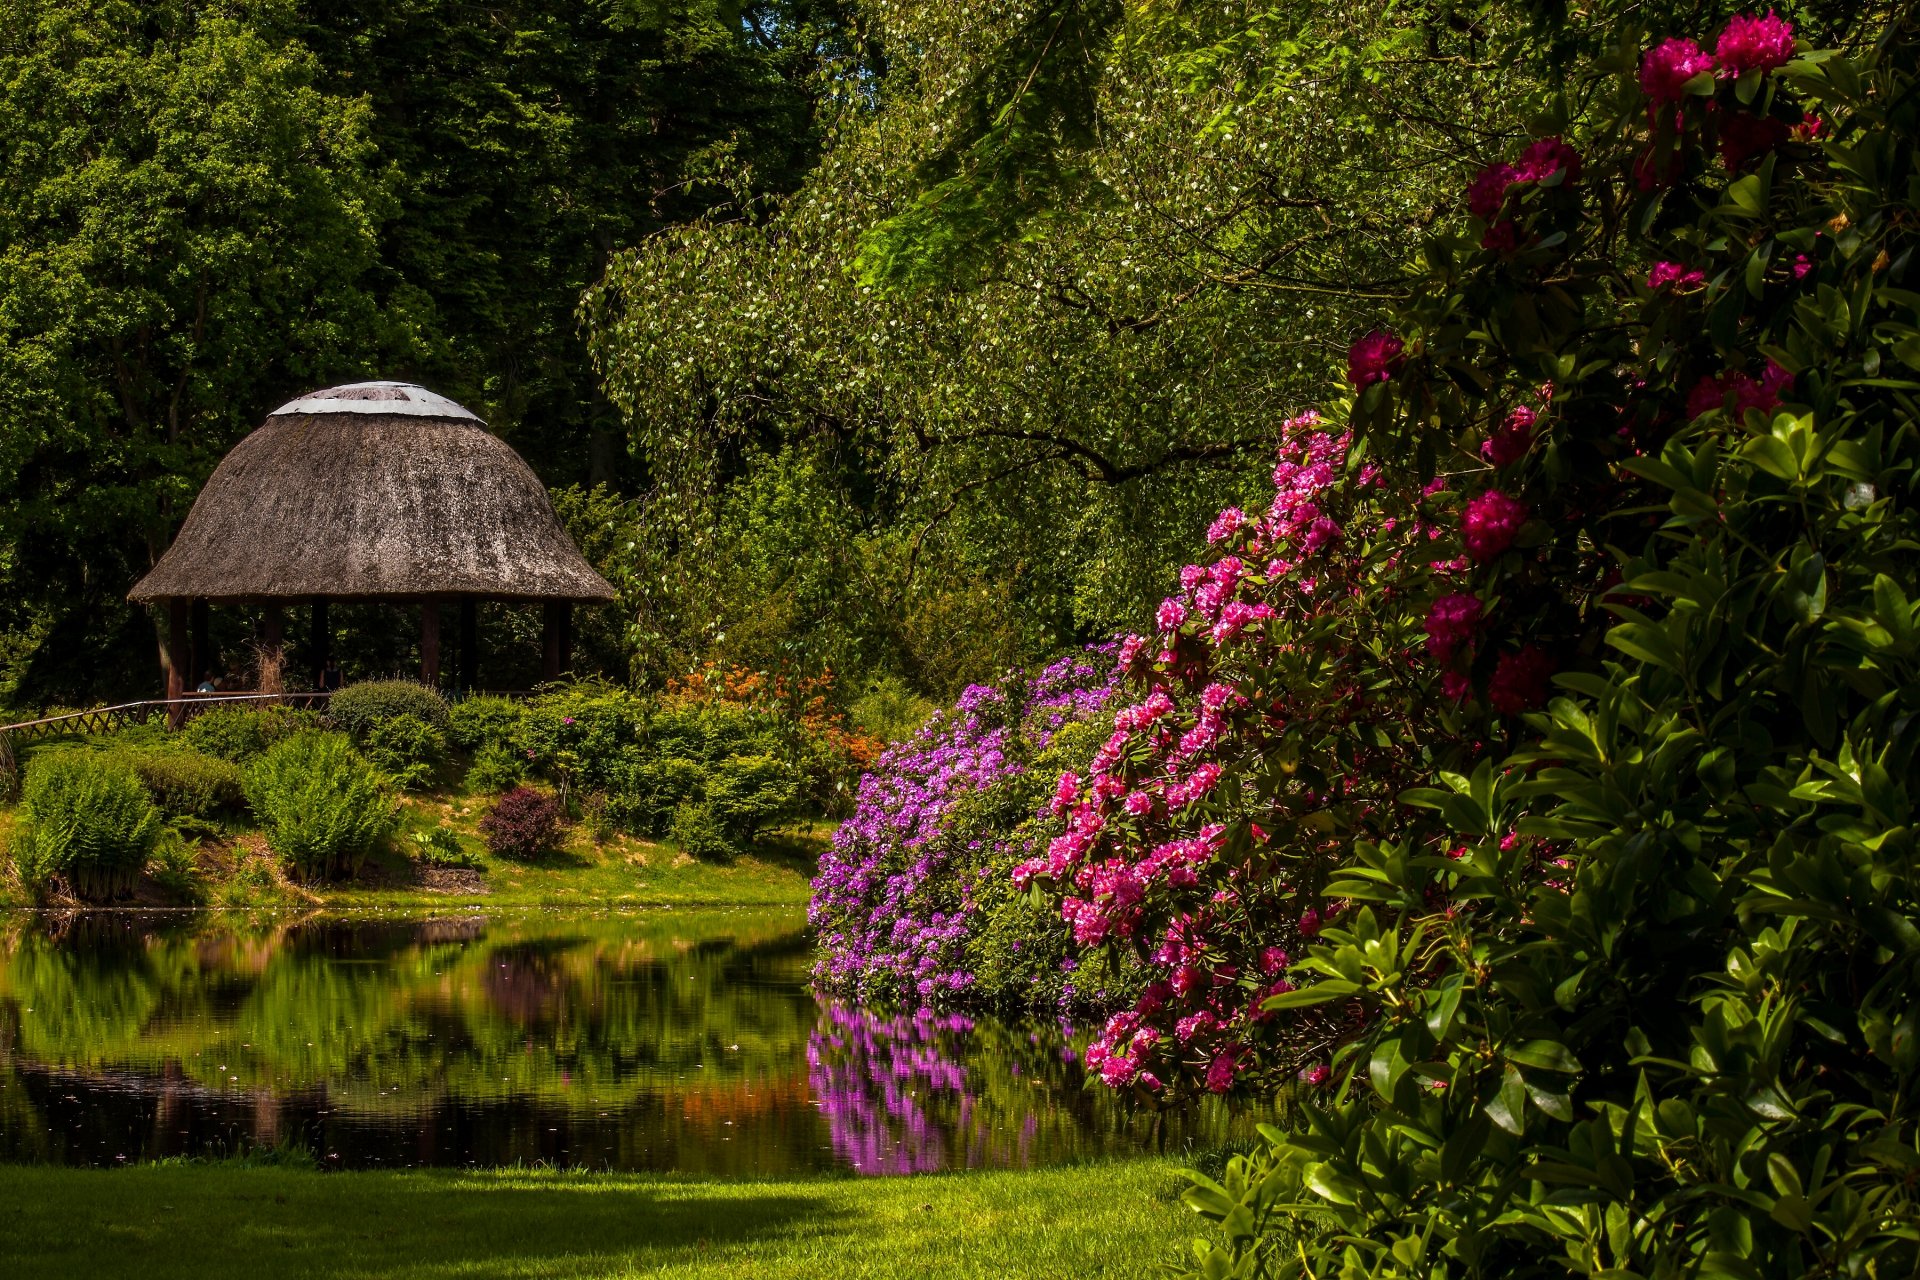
(175, 711)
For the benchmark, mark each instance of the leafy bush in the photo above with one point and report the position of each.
(888, 711)
(440, 847)
(242, 734)
(359, 709)
(911, 902)
(1627, 987)
(698, 831)
(406, 748)
(175, 867)
(186, 783)
(649, 759)
(88, 821)
(323, 806)
(524, 824)
(475, 723)
(496, 767)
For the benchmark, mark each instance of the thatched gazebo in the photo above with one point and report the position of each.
(375, 491)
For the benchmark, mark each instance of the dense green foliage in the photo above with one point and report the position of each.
(239, 734)
(360, 709)
(89, 823)
(185, 783)
(208, 208)
(322, 805)
(860, 466)
(710, 772)
(1626, 988)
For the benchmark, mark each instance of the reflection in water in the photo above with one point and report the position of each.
(682, 1040)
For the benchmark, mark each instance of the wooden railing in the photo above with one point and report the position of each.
(175, 711)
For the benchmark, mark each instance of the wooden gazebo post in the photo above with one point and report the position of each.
(469, 674)
(556, 635)
(430, 642)
(179, 628)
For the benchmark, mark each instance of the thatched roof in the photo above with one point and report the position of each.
(378, 489)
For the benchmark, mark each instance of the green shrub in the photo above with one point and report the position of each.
(360, 708)
(89, 822)
(322, 804)
(175, 867)
(406, 748)
(748, 792)
(440, 847)
(699, 832)
(653, 789)
(496, 767)
(888, 711)
(475, 723)
(186, 783)
(242, 734)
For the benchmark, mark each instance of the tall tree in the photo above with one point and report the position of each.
(1042, 305)
(206, 208)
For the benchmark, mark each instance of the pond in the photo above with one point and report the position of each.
(683, 1041)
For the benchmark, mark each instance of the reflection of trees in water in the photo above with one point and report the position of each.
(680, 1040)
(392, 1015)
(908, 1093)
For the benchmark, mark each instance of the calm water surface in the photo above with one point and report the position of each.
(667, 1040)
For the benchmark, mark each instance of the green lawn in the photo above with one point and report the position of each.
(212, 1222)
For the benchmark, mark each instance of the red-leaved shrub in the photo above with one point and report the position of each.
(523, 824)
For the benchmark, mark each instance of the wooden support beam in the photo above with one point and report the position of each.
(469, 644)
(320, 641)
(556, 634)
(179, 656)
(430, 642)
(200, 656)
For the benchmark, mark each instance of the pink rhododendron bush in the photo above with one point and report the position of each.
(1527, 791)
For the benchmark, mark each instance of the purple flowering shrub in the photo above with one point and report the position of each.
(914, 901)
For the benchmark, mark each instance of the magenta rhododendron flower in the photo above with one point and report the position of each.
(1764, 394)
(1802, 264)
(1519, 681)
(1488, 190)
(1452, 623)
(1172, 614)
(1374, 358)
(1220, 1073)
(1511, 439)
(1667, 67)
(1546, 157)
(1226, 524)
(1490, 523)
(1754, 44)
(1677, 274)
(1455, 685)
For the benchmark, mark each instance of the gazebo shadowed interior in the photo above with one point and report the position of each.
(377, 492)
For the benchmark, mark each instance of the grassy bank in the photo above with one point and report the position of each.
(211, 1222)
(233, 868)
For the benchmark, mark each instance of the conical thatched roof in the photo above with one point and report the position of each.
(378, 489)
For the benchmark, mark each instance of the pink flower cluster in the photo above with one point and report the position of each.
(1512, 438)
(1490, 523)
(1134, 826)
(1374, 358)
(1748, 44)
(1747, 393)
(1676, 274)
(1544, 158)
